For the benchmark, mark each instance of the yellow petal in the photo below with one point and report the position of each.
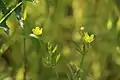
(41, 30)
(88, 38)
(37, 28)
(33, 30)
(92, 36)
(37, 31)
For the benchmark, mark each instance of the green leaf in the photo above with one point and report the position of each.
(18, 11)
(49, 46)
(55, 48)
(1, 15)
(3, 7)
(9, 13)
(34, 36)
(58, 57)
(30, 0)
(3, 33)
(20, 74)
(3, 48)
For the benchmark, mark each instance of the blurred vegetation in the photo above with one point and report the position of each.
(59, 40)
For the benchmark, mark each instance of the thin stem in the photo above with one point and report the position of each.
(81, 62)
(68, 77)
(25, 60)
(78, 49)
(57, 75)
(71, 71)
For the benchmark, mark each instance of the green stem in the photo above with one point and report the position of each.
(25, 60)
(78, 49)
(82, 60)
(71, 71)
(68, 77)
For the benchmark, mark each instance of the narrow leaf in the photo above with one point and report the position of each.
(58, 57)
(8, 14)
(55, 48)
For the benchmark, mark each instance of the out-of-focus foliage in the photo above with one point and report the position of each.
(74, 40)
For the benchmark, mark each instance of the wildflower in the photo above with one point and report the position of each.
(37, 31)
(88, 38)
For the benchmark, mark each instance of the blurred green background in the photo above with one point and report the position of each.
(60, 52)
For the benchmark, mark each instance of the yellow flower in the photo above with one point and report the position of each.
(37, 31)
(88, 38)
